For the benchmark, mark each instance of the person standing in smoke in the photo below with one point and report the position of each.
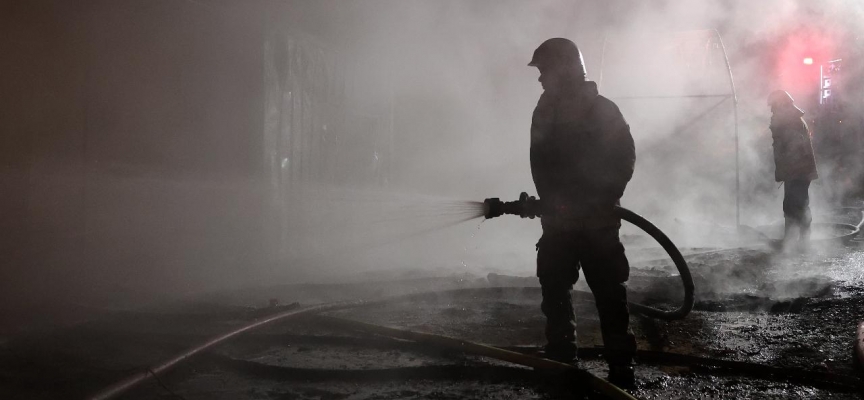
(582, 157)
(794, 164)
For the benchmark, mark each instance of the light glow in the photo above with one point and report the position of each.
(808, 61)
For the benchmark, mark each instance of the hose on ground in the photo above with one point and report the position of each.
(601, 386)
(118, 388)
(449, 372)
(482, 371)
(710, 365)
(677, 259)
(131, 381)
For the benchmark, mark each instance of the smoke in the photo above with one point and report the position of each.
(463, 96)
(140, 159)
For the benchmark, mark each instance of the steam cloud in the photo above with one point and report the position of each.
(463, 101)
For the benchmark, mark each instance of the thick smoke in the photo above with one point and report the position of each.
(147, 158)
(463, 97)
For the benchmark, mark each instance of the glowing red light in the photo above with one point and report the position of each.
(808, 61)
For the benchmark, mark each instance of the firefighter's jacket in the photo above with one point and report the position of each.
(582, 157)
(793, 150)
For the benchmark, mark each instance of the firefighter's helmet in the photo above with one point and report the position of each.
(558, 53)
(779, 98)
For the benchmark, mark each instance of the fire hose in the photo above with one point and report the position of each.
(531, 207)
(428, 339)
(118, 388)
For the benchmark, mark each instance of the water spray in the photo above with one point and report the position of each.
(532, 207)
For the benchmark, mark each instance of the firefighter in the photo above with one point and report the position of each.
(794, 164)
(582, 157)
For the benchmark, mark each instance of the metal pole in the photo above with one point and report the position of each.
(737, 149)
(821, 83)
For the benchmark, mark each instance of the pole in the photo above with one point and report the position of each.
(737, 148)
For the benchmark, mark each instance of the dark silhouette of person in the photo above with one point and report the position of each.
(582, 157)
(794, 164)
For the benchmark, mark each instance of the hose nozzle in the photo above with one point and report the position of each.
(525, 207)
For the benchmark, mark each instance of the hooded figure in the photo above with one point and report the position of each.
(582, 157)
(794, 163)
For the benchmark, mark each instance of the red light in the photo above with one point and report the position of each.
(808, 61)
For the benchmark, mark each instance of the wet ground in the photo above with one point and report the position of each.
(788, 319)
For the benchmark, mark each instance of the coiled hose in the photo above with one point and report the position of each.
(677, 259)
(531, 207)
